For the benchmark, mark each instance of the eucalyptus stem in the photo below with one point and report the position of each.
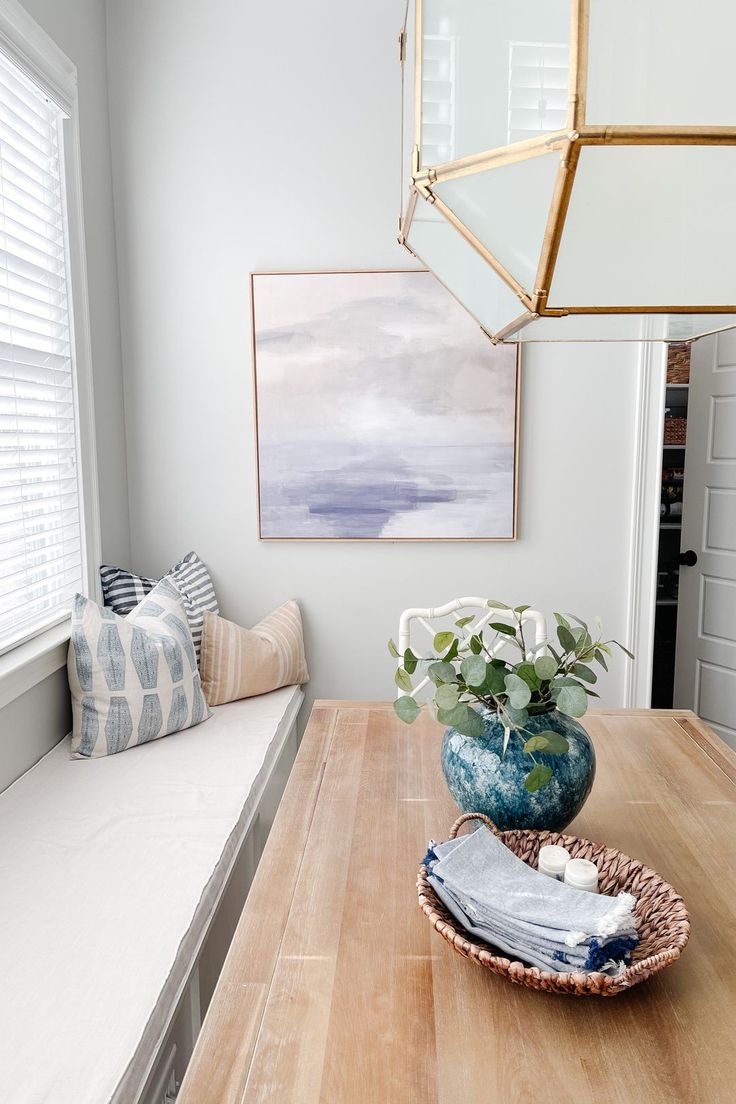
(513, 691)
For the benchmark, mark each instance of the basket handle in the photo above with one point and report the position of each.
(472, 816)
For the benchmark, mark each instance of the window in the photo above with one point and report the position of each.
(537, 88)
(42, 561)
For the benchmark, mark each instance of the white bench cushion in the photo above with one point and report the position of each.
(109, 870)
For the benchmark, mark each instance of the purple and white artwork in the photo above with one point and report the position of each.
(383, 411)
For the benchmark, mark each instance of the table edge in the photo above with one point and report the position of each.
(709, 742)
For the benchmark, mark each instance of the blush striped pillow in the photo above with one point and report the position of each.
(122, 590)
(240, 663)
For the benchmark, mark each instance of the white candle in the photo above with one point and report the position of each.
(552, 861)
(582, 874)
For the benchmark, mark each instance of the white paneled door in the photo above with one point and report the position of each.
(705, 670)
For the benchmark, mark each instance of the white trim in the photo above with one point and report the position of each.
(644, 534)
(33, 51)
(79, 321)
(29, 663)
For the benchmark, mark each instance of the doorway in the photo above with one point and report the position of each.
(670, 524)
(695, 624)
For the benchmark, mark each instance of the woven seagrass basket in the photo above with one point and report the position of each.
(661, 916)
(678, 362)
(675, 431)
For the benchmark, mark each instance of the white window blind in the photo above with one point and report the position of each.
(40, 523)
(538, 74)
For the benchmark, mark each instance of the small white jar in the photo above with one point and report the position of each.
(582, 874)
(552, 861)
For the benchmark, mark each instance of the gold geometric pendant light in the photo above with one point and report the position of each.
(571, 166)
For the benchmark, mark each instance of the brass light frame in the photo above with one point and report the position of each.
(569, 142)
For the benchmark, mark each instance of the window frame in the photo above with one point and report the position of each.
(38, 655)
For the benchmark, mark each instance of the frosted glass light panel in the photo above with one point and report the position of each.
(661, 63)
(488, 67)
(523, 191)
(572, 163)
(669, 239)
(462, 270)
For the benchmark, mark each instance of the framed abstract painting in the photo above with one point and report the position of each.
(383, 412)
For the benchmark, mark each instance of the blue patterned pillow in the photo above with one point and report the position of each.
(135, 678)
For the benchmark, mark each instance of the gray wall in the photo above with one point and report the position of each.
(265, 136)
(40, 717)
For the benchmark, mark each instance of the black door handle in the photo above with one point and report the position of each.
(689, 558)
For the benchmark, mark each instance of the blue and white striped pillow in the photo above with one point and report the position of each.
(133, 679)
(122, 591)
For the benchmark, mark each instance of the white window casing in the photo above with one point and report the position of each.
(49, 509)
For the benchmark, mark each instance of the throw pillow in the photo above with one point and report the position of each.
(239, 663)
(135, 678)
(122, 590)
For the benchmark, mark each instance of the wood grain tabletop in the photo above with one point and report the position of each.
(335, 989)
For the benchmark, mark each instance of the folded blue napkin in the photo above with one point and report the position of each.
(527, 915)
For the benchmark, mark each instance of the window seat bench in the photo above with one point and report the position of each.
(121, 881)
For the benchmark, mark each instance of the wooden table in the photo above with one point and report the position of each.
(336, 990)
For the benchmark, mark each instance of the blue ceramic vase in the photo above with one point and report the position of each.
(482, 779)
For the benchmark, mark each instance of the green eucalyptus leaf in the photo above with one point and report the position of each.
(440, 672)
(572, 700)
(535, 743)
(518, 717)
(499, 627)
(495, 682)
(624, 650)
(464, 621)
(393, 650)
(587, 657)
(546, 667)
(473, 670)
(465, 719)
(518, 691)
(527, 672)
(566, 638)
(449, 716)
(551, 743)
(537, 778)
(443, 640)
(410, 661)
(406, 709)
(446, 696)
(493, 603)
(476, 645)
(584, 673)
(452, 652)
(601, 659)
(402, 680)
(562, 621)
(521, 609)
